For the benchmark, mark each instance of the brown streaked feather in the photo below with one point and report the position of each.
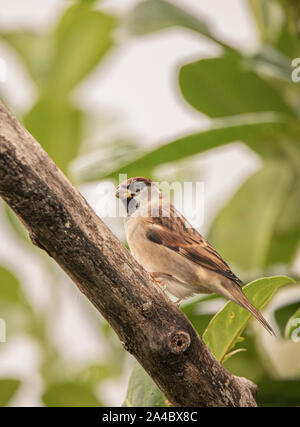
(176, 233)
(147, 181)
(240, 298)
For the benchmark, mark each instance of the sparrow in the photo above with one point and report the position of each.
(172, 251)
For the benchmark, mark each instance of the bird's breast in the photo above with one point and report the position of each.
(156, 257)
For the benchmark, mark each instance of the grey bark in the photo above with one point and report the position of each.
(149, 325)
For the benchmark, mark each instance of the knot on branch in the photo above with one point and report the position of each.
(146, 308)
(178, 342)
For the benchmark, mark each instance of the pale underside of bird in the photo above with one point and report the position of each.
(175, 253)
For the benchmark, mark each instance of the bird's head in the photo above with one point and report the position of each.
(136, 192)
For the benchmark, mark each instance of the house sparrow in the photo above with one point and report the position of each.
(175, 254)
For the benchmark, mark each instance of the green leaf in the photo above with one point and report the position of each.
(10, 290)
(57, 127)
(35, 51)
(16, 224)
(249, 363)
(14, 306)
(289, 219)
(286, 236)
(228, 324)
(277, 25)
(233, 353)
(93, 374)
(244, 229)
(155, 15)
(226, 86)
(58, 61)
(283, 314)
(288, 41)
(83, 37)
(283, 248)
(292, 329)
(70, 394)
(142, 391)
(253, 130)
(273, 63)
(269, 18)
(8, 387)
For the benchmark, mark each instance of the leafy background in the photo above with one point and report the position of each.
(238, 99)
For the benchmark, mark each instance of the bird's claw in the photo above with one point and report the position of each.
(177, 302)
(159, 280)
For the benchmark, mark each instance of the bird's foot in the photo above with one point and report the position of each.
(178, 302)
(159, 280)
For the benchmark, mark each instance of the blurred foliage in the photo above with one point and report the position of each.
(284, 314)
(240, 90)
(225, 328)
(142, 391)
(70, 394)
(249, 98)
(57, 62)
(14, 306)
(8, 387)
(248, 206)
(292, 329)
(248, 129)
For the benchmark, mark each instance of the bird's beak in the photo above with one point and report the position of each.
(123, 193)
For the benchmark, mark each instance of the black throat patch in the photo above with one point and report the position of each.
(131, 205)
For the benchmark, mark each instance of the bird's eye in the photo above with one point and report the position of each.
(137, 190)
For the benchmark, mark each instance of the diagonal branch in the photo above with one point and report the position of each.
(148, 324)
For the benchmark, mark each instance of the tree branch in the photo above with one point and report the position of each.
(148, 324)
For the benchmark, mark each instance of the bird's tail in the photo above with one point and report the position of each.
(240, 298)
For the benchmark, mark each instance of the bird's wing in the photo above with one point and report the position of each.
(176, 233)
